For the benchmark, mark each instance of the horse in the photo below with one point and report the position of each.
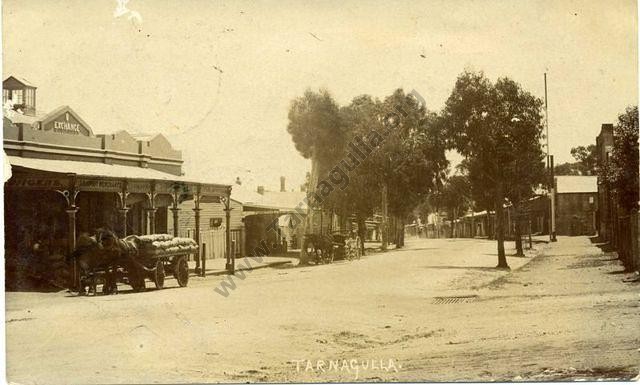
(102, 252)
(320, 246)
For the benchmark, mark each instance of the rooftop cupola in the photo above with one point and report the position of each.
(20, 94)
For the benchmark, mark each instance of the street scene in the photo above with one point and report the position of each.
(296, 192)
(561, 314)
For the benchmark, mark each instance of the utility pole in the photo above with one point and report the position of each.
(552, 196)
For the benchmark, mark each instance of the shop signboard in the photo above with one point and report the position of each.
(103, 185)
(139, 186)
(38, 182)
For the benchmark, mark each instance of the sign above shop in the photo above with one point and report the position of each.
(91, 184)
(38, 182)
(65, 121)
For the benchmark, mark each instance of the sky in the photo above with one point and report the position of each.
(217, 77)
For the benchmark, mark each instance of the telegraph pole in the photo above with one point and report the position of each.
(552, 195)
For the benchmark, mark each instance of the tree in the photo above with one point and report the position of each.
(314, 125)
(410, 160)
(492, 125)
(586, 162)
(525, 173)
(456, 197)
(362, 194)
(622, 169)
(401, 165)
(568, 168)
(587, 158)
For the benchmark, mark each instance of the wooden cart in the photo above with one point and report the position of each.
(108, 260)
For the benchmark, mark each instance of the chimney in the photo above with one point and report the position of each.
(607, 127)
(261, 190)
(282, 185)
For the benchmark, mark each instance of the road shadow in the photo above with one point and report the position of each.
(605, 247)
(416, 249)
(273, 265)
(479, 268)
(31, 285)
(126, 291)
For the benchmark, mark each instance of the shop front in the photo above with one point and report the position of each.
(66, 181)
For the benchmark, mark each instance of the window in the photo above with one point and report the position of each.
(17, 97)
(5, 96)
(214, 223)
(29, 97)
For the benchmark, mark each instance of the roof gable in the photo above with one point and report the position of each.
(66, 121)
(14, 79)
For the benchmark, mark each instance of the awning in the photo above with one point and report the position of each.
(58, 174)
(99, 170)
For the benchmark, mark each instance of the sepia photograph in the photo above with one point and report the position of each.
(215, 191)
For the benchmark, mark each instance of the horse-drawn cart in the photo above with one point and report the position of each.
(105, 259)
(325, 248)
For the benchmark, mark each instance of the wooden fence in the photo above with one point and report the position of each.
(215, 239)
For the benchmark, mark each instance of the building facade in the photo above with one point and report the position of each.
(66, 180)
(576, 205)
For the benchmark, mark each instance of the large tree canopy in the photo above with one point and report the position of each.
(315, 128)
(314, 125)
(498, 128)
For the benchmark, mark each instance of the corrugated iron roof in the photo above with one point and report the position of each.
(576, 184)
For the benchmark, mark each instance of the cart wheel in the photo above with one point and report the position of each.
(158, 276)
(181, 271)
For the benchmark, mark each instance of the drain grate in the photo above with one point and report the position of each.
(454, 299)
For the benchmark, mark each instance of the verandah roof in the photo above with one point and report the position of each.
(91, 169)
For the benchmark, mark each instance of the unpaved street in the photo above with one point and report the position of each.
(563, 313)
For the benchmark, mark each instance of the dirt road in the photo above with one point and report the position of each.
(562, 315)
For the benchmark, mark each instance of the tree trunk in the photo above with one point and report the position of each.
(394, 226)
(400, 228)
(454, 215)
(308, 222)
(362, 230)
(383, 224)
(502, 259)
(518, 233)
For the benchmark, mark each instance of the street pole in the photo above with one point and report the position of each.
(553, 200)
(552, 219)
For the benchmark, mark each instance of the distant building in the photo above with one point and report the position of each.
(576, 214)
(576, 205)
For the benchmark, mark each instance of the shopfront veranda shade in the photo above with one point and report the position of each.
(99, 170)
